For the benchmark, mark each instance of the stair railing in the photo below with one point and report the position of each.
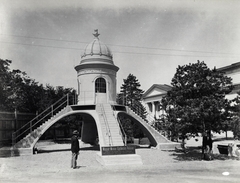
(40, 119)
(133, 104)
(121, 131)
(138, 110)
(106, 124)
(151, 120)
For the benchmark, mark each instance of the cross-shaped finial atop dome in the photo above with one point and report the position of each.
(96, 33)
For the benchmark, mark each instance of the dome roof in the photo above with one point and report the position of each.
(96, 49)
(96, 55)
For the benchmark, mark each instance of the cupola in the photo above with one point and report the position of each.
(96, 50)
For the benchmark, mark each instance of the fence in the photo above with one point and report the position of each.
(10, 122)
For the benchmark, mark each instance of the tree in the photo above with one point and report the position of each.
(131, 95)
(235, 121)
(18, 91)
(5, 77)
(197, 100)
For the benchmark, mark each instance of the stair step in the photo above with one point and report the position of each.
(111, 123)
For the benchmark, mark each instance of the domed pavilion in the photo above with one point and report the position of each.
(96, 74)
(96, 104)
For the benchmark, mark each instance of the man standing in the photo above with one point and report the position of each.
(207, 145)
(74, 149)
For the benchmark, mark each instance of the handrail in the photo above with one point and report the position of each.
(162, 132)
(121, 131)
(134, 105)
(139, 110)
(151, 119)
(106, 124)
(45, 115)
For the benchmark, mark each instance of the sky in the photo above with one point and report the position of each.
(148, 39)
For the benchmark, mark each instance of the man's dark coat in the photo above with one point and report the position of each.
(74, 144)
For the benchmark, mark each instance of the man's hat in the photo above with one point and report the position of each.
(75, 132)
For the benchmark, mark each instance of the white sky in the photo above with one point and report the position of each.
(46, 38)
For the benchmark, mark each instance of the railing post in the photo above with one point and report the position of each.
(30, 126)
(13, 139)
(67, 99)
(52, 109)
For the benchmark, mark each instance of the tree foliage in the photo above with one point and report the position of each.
(235, 120)
(197, 100)
(18, 91)
(131, 95)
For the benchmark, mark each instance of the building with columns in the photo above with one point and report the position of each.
(152, 100)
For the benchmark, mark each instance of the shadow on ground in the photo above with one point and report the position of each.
(195, 154)
(92, 148)
(223, 139)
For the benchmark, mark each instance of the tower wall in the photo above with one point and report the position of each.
(86, 85)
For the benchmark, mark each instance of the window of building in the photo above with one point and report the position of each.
(100, 85)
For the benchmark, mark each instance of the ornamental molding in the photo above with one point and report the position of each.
(96, 71)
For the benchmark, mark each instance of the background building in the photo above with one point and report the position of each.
(232, 71)
(153, 96)
(152, 100)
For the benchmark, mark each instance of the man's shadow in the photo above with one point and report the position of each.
(78, 167)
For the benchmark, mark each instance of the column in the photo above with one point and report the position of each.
(153, 109)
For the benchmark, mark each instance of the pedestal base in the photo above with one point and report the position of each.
(126, 159)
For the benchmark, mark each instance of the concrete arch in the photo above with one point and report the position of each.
(145, 130)
(90, 130)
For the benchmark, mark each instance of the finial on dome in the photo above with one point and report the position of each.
(96, 33)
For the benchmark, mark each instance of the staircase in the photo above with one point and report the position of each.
(162, 142)
(113, 136)
(110, 127)
(28, 135)
(29, 140)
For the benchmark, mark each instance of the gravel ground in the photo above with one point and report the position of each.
(53, 165)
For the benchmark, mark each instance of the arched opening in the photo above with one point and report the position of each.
(58, 136)
(63, 128)
(140, 132)
(100, 85)
(101, 90)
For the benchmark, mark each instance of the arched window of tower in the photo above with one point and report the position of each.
(100, 85)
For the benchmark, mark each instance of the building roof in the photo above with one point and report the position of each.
(96, 55)
(163, 87)
(232, 67)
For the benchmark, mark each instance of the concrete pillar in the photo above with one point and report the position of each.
(148, 108)
(157, 110)
(153, 109)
